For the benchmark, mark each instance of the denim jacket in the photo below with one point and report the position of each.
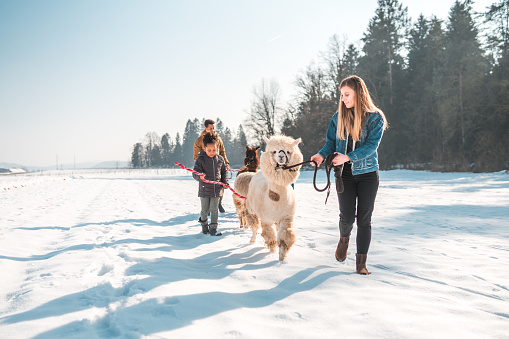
(364, 157)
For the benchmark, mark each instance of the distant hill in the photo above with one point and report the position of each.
(7, 165)
(111, 164)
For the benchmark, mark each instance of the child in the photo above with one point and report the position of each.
(213, 167)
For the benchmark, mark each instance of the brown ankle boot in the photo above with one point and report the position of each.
(342, 248)
(361, 263)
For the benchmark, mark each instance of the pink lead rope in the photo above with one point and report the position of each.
(208, 181)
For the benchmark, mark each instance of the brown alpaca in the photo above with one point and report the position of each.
(251, 161)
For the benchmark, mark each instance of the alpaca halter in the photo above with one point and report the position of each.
(282, 154)
(288, 168)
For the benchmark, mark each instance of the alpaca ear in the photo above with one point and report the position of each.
(265, 139)
(257, 147)
(296, 142)
(262, 156)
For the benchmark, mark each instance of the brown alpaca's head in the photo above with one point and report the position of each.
(252, 160)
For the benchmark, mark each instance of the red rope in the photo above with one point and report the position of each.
(202, 177)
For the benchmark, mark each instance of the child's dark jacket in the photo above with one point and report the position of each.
(215, 170)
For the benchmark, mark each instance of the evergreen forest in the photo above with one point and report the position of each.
(442, 84)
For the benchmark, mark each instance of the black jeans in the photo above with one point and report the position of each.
(359, 190)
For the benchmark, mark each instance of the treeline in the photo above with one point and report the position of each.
(443, 85)
(163, 152)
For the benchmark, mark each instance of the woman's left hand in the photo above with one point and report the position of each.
(340, 159)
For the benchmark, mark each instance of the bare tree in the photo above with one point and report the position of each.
(265, 110)
(151, 140)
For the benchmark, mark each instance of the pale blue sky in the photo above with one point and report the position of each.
(88, 79)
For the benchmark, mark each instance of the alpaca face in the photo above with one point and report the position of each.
(282, 157)
(280, 151)
(251, 154)
(283, 151)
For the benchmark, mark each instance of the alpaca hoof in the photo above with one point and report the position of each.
(282, 255)
(283, 250)
(271, 246)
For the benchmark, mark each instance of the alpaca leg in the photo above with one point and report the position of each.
(255, 227)
(238, 206)
(243, 216)
(285, 237)
(269, 234)
(253, 222)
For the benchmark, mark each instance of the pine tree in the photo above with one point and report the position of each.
(177, 151)
(382, 46)
(227, 141)
(422, 124)
(498, 17)
(155, 156)
(191, 132)
(351, 60)
(463, 70)
(491, 148)
(382, 68)
(166, 150)
(239, 147)
(137, 156)
(219, 127)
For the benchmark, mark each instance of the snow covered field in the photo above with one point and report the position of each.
(101, 254)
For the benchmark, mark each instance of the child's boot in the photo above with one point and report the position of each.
(204, 226)
(213, 230)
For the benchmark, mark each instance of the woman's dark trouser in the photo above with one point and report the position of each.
(359, 190)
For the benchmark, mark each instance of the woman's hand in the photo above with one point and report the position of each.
(318, 158)
(340, 159)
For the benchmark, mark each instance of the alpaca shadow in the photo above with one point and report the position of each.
(182, 241)
(161, 271)
(178, 220)
(178, 311)
(136, 222)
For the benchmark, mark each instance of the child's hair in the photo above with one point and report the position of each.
(209, 138)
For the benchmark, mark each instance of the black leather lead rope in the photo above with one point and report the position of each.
(328, 168)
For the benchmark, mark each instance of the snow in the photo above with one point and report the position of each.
(119, 253)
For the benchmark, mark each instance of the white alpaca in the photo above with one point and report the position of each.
(270, 200)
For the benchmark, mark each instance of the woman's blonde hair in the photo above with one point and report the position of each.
(352, 123)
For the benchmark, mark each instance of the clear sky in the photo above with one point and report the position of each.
(88, 79)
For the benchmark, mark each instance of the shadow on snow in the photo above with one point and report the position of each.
(173, 312)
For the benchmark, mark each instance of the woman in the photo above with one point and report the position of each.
(354, 134)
